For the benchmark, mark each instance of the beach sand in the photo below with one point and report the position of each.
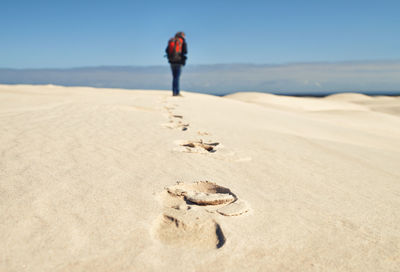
(132, 180)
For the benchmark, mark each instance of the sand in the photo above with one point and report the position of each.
(281, 183)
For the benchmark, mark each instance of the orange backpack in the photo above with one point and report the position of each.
(175, 49)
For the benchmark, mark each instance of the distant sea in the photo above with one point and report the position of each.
(323, 94)
(296, 79)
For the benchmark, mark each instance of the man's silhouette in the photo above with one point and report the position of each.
(176, 52)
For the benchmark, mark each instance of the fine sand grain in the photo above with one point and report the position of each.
(133, 180)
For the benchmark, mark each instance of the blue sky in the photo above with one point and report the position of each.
(61, 34)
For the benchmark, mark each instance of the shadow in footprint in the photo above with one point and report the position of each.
(221, 237)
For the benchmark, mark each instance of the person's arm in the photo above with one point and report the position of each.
(184, 52)
(184, 48)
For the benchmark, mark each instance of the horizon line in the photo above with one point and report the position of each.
(211, 64)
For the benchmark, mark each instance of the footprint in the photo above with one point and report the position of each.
(179, 125)
(199, 146)
(189, 229)
(208, 195)
(202, 193)
(190, 214)
(207, 198)
(173, 123)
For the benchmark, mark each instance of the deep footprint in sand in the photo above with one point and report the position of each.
(190, 213)
(208, 195)
(202, 193)
(209, 147)
(198, 146)
(185, 228)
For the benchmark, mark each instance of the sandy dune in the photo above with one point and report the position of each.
(88, 181)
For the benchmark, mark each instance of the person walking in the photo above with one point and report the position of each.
(176, 52)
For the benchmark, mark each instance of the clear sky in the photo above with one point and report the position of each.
(61, 34)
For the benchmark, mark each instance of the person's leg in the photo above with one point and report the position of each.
(176, 72)
(178, 75)
(173, 78)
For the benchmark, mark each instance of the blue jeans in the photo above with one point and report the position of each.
(176, 73)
